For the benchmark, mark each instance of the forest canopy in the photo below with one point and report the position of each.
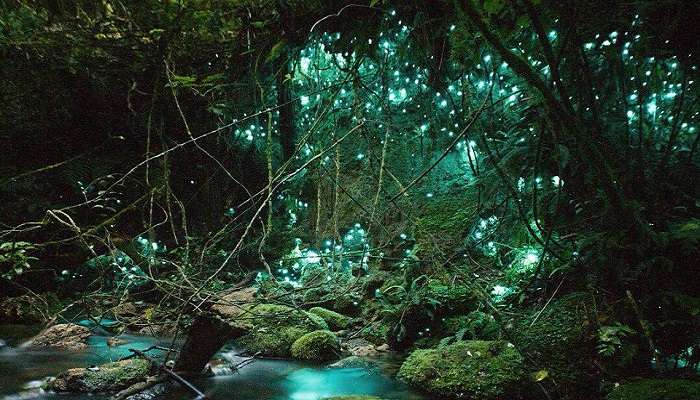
(446, 171)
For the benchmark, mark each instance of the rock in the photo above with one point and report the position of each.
(335, 321)
(383, 348)
(359, 347)
(317, 346)
(64, 336)
(165, 329)
(274, 328)
(356, 362)
(127, 310)
(657, 389)
(233, 304)
(484, 370)
(157, 391)
(115, 341)
(110, 377)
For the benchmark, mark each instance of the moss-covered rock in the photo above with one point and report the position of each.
(109, 377)
(335, 321)
(476, 369)
(273, 328)
(657, 389)
(317, 346)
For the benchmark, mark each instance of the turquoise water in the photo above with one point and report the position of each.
(22, 368)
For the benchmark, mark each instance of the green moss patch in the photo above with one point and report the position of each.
(335, 321)
(273, 329)
(317, 345)
(109, 377)
(476, 369)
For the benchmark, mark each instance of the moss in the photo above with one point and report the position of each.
(314, 295)
(562, 341)
(657, 389)
(273, 329)
(109, 377)
(317, 320)
(335, 321)
(452, 298)
(473, 369)
(443, 223)
(317, 345)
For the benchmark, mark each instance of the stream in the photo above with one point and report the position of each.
(22, 370)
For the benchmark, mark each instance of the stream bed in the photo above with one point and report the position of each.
(23, 369)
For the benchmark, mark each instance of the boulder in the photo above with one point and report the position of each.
(115, 341)
(356, 362)
(335, 321)
(64, 336)
(484, 370)
(110, 377)
(360, 347)
(318, 346)
(272, 328)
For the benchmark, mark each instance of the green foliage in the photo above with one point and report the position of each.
(15, 258)
(317, 345)
(473, 369)
(610, 338)
(475, 325)
(657, 389)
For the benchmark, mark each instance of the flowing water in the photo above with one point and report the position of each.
(22, 370)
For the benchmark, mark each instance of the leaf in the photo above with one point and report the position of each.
(540, 375)
(276, 50)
